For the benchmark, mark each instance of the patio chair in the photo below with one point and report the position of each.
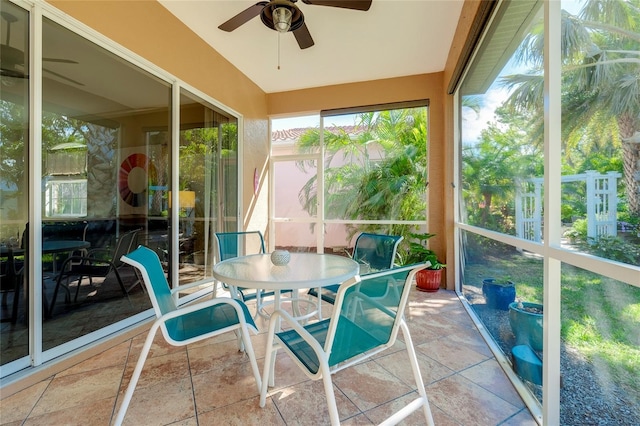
(234, 244)
(374, 252)
(359, 328)
(183, 325)
(98, 262)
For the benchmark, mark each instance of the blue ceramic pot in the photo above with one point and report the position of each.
(498, 296)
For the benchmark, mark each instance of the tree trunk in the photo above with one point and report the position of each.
(631, 161)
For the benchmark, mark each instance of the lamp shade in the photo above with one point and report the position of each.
(186, 199)
(281, 19)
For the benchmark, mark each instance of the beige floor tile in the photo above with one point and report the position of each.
(398, 364)
(163, 403)
(18, 406)
(221, 387)
(468, 403)
(243, 413)
(490, 376)
(116, 356)
(68, 392)
(172, 366)
(378, 414)
(306, 404)
(216, 356)
(94, 412)
(368, 385)
(452, 354)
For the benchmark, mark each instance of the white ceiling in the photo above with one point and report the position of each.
(394, 38)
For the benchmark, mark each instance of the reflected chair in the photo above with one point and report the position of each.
(99, 262)
(374, 252)
(10, 282)
(234, 244)
(182, 325)
(360, 327)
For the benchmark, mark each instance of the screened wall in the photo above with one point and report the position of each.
(549, 221)
(340, 173)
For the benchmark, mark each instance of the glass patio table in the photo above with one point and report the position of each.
(304, 270)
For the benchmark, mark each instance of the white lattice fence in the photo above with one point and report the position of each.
(602, 204)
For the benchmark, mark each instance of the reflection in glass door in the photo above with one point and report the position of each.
(14, 191)
(207, 184)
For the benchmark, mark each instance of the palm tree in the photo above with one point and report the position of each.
(601, 80)
(359, 185)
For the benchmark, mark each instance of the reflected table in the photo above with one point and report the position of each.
(48, 247)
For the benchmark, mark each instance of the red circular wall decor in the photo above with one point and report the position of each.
(139, 167)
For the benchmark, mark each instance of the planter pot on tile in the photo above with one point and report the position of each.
(429, 280)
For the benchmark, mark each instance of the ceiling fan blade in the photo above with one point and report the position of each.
(345, 4)
(303, 37)
(62, 77)
(243, 17)
(12, 73)
(63, 61)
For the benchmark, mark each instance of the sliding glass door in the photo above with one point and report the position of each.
(103, 173)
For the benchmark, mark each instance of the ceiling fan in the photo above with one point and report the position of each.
(284, 16)
(12, 60)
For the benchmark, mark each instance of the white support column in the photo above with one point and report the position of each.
(552, 213)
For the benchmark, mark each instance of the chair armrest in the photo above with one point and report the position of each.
(295, 325)
(187, 309)
(372, 301)
(84, 261)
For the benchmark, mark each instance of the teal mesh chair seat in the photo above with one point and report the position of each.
(360, 326)
(374, 252)
(182, 325)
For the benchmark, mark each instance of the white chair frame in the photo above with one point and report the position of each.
(323, 353)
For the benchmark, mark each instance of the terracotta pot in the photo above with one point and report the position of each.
(429, 280)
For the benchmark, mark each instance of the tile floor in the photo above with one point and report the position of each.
(210, 383)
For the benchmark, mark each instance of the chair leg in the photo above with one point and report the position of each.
(136, 374)
(413, 359)
(269, 363)
(330, 395)
(246, 340)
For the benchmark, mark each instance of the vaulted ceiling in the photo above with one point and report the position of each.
(393, 38)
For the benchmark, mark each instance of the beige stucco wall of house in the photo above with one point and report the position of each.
(149, 30)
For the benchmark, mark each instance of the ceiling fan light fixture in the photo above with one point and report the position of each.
(282, 19)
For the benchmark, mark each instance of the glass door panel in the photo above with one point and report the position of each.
(106, 162)
(207, 184)
(14, 190)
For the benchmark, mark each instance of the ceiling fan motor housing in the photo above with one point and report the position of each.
(297, 18)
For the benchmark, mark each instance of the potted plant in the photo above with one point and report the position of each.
(498, 293)
(428, 279)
